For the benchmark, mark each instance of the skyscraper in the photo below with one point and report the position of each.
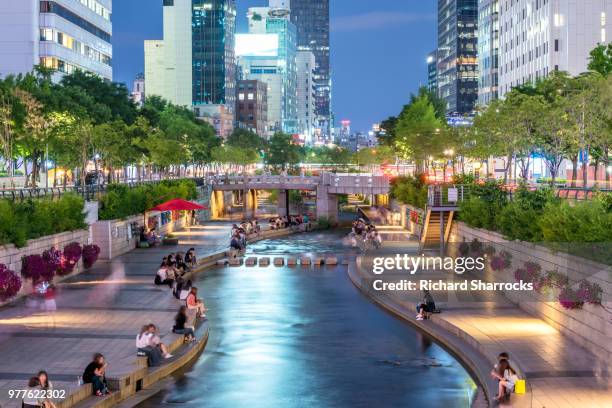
(488, 50)
(538, 37)
(312, 20)
(213, 59)
(306, 65)
(458, 54)
(194, 65)
(432, 71)
(63, 35)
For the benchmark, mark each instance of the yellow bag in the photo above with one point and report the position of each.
(520, 387)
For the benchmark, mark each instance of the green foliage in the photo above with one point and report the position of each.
(281, 152)
(121, 201)
(324, 223)
(35, 218)
(409, 190)
(601, 59)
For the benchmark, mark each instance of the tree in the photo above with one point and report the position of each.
(282, 153)
(7, 124)
(245, 139)
(601, 59)
(417, 132)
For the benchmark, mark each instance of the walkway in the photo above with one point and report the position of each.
(100, 310)
(560, 373)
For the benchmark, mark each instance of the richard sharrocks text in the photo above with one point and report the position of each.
(440, 285)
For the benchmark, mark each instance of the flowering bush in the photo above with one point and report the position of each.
(501, 261)
(53, 259)
(464, 248)
(476, 247)
(90, 255)
(530, 272)
(552, 280)
(10, 283)
(72, 254)
(589, 292)
(490, 250)
(569, 298)
(35, 268)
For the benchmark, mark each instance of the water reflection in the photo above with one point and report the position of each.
(293, 337)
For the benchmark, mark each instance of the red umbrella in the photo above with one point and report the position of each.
(178, 205)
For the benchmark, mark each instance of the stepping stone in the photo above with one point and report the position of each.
(318, 261)
(221, 262)
(305, 261)
(279, 261)
(251, 261)
(331, 261)
(235, 262)
(291, 261)
(264, 261)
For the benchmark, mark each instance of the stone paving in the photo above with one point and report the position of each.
(561, 374)
(100, 310)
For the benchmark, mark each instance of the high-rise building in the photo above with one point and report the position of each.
(194, 65)
(306, 65)
(265, 21)
(168, 63)
(63, 35)
(311, 18)
(488, 50)
(257, 56)
(138, 90)
(252, 106)
(458, 54)
(214, 62)
(538, 37)
(432, 71)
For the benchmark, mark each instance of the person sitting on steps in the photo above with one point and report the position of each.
(192, 302)
(180, 325)
(426, 307)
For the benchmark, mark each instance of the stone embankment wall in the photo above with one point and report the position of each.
(590, 326)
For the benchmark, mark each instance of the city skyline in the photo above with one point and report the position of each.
(360, 65)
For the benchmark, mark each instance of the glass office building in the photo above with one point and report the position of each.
(488, 50)
(458, 54)
(213, 59)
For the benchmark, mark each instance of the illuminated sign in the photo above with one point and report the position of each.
(257, 45)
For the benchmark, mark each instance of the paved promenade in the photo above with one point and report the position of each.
(560, 373)
(100, 310)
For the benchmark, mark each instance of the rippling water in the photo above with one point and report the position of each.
(294, 337)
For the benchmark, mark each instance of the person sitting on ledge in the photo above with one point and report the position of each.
(29, 399)
(180, 325)
(427, 307)
(95, 374)
(192, 302)
(507, 377)
(190, 258)
(143, 345)
(155, 341)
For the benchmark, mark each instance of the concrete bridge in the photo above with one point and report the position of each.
(327, 187)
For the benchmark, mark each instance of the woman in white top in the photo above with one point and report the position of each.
(507, 378)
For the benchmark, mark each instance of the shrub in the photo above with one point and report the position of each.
(122, 201)
(410, 190)
(90, 255)
(464, 249)
(35, 218)
(35, 268)
(568, 298)
(476, 247)
(530, 273)
(501, 261)
(589, 292)
(10, 283)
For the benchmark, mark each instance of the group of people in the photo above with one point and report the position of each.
(172, 269)
(364, 235)
(292, 221)
(238, 237)
(39, 392)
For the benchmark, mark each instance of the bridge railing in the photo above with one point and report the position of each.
(236, 180)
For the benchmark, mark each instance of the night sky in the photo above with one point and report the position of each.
(378, 50)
